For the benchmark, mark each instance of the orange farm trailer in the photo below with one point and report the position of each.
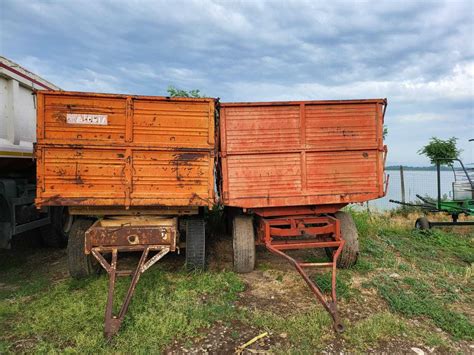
(135, 171)
(288, 168)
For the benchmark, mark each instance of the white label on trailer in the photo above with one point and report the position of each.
(85, 118)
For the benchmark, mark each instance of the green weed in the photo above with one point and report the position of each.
(414, 298)
(308, 331)
(70, 315)
(373, 330)
(343, 290)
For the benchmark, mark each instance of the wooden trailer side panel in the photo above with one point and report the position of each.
(302, 153)
(116, 150)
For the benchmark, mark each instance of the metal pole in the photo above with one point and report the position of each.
(438, 172)
(402, 184)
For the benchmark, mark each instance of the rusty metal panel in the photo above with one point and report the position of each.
(181, 123)
(302, 153)
(262, 128)
(132, 233)
(172, 176)
(341, 126)
(117, 150)
(59, 108)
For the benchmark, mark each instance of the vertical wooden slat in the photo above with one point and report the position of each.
(223, 129)
(40, 171)
(379, 137)
(223, 153)
(210, 189)
(211, 135)
(129, 120)
(39, 116)
(303, 147)
(225, 181)
(303, 125)
(303, 172)
(128, 177)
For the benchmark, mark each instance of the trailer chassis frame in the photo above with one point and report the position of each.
(305, 230)
(109, 239)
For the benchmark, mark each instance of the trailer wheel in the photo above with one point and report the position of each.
(422, 223)
(243, 244)
(350, 252)
(195, 244)
(57, 233)
(79, 263)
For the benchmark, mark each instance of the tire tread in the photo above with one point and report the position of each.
(195, 244)
(80, 265)
(350, 252)
(243, 244)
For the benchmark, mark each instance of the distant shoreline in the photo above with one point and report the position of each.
(417, 168)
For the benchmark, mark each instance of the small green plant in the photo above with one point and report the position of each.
(175, 92)
(414, 298)
(375, 329)
(441, 150)
(307, 329)
(324, 282)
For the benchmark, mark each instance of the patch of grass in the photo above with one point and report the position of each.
(343, 290)
(404, 267)
(426, 276)
(419, 247)
(264, 266)
(69, 317)
(384, 327)
(24, 288)
(373, 330)
(413, 297)
(308, 331)
(435, 271)
(450, 292)
(363, 266)
(405, 211)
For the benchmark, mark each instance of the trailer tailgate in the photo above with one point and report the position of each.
(119, 150)
(302, 153)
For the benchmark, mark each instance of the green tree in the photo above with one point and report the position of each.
(175, 92)
(443, 150)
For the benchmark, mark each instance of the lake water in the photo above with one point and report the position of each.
(418, 182)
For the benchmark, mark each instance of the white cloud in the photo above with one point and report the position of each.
(417, 54)
(423, 117)
(456, 85)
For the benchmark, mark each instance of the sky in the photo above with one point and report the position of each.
(417, 54)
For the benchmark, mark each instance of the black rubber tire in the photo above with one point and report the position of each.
(80, 265)
(243, 236)
(422, 223)
(56, 234)
(350, 252)
(195, 244)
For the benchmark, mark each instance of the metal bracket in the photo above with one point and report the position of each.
(284, 233)
(113, 322)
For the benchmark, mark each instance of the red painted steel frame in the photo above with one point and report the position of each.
(283, 233)
(102, 239)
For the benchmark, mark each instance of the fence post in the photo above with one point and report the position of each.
(402, 184)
